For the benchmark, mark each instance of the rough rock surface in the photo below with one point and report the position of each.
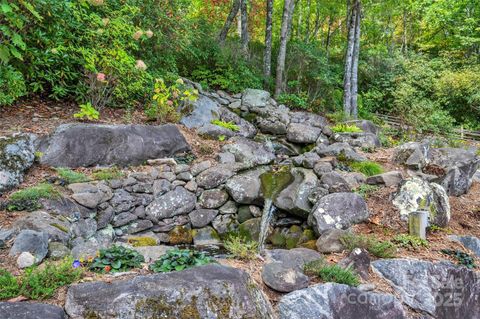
(440, 290)
(204, 110)
(329, 241)
(249, 152)
(302, 134)
(210, 291)
(84, 145)
(255, 98)
(30, 310)
(295, 258)
(245, 188)
(282, 278)
(16, 155)
(388, 179)
(338, 210)
(176, 202)
(336, 301)
(31, 241)
(366, 140)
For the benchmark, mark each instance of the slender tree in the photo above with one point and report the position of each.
(244, 18)
(356, 55)
(228, 23)
(267, 56)
(288, 9)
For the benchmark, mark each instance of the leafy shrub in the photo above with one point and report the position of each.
(366, 190)
(39, 283)
(462, 258)
(27, 199)
(116, 259)
(180, 259)
(381, 249)
(12, 85)
(87, 111)
(297, 101)
(70, 176)
(167, 100)
(409, 241)
(241, 248)
(332, 273)
(228, 125)
(367, 168)
(346, 128)
(106, 174)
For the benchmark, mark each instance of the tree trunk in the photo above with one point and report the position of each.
(233, 12)
(288, 8)
(404, 34)
(356, 54)
(267, 56)
(347, 78)
(244, 37)
(329, 35)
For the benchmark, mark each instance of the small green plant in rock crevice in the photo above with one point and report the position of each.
(346, 128)
(240, 247)
(106, 174)
(116, 259)
(332, 273)
(462, 258)
(228, 125)
(367, 168)
(71, 177)
(180, 259)
(409, 241)
(378, 248)
(27, 199)
(366, 190)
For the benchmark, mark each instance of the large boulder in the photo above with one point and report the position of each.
(176, 202)
(308, 118)
(204, 111)
(302, 134)
(336, 301)
(16, 156)
(294, 198)
(83, 145)
(57, 228)
(440, 290)
(338, 210)
(245, 188)
(32, 242)
(210, 291)
(249, 152)
(30, 310)
(416, 194)
(414, 155)
(90, 195)
(282, 278)
(253, 98)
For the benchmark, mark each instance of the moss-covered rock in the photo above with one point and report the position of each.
(180, 235)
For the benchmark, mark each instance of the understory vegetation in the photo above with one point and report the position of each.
(378, 248)
(180, 259)
(331, 273)
(28, 198)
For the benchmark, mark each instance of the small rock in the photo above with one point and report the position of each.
(359, 261)
(282, 278)
(202, 217)
(213, 198)
(25, 260)
(329, 241)
(31, 241)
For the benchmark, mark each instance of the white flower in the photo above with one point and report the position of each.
(137, 35)
(140, 65)
(149, 33)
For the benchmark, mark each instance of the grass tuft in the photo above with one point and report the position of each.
(70, 176)
(241, 248)
(378, 248)
(106, 174)
(332, 273)
(367, 168)
(27, 199)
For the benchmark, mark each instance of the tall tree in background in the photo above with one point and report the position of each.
(244, 18)
(288, 9)
(350, 80)
(228, 23)
(267, 56)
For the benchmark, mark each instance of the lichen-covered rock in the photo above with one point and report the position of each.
(90, 194)
(253, 98)
(330, 241)
(282, 278)
(414, 155)
(206, 236)
(180, 235)
(176, 202)
(338, 210)
(367, 140)
(335, 182)
(17, 154)
(225, 223)
(210, 291)
(416, 194)
(215, 176)
(342, 151)
(57, 228)
(245, 188)
(307, 118)
(83, 145)
(30, 310)
(440, 290)
(202, 217)
(249, 152)
(215, 131)
(336, 301)
(359, 261)
(212, 198)
(295, 258)
(302, 134)
(294, 198)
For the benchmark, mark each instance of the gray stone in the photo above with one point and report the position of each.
(336, 301)
(83, 145)
(251, 228)
(191, 186)
(414, 155)
(245, 188)
(213, 198)
(30, 310)
(294, 258)
(294, 198)
(310, 159)
(138, 226)
(85, 228)
(123, 219)
(338, 210)
(152, 253)
(249, 152)
(225, 158)
(225, 223)
(440, 290)
(366, 126)
(210, 291)
(364, 140)
(215, 176)
(282, 278)
(330, 241)
(302, 134)
(308, 118)
(67, 207)
(176, 202)
(255, 98)
(57, 251)
(471, 242)
(204, 110)
(104, 217)
(90, 194)
(200, 167)
(31, 241)
(56, 228)
(17, 154)
(335, 182)
(5, 236)
(388, 179)
(359, 261)
(341, 149)
(161, 186)
(25, 260)
(228, 208)
(206, 236)
(202, 217)
(321, 168)
(215, 131)
(245, 128)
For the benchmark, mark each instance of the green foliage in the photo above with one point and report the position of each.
(462, 258)
(366, 190)
(332, 273)
(106, 174)
(70, 176)
(87, 111)
(116, 259)
(346, 128)
(27, 199)
(378, 248)
(228, 125)
(167, 99)
(39, 283)
(12, 85)
(367, 168)
(241, 248)
(409, 241)
(180, 259)
(296, 101)
(142, 241)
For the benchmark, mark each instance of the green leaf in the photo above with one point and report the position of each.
(18, 41)
(4, 53)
